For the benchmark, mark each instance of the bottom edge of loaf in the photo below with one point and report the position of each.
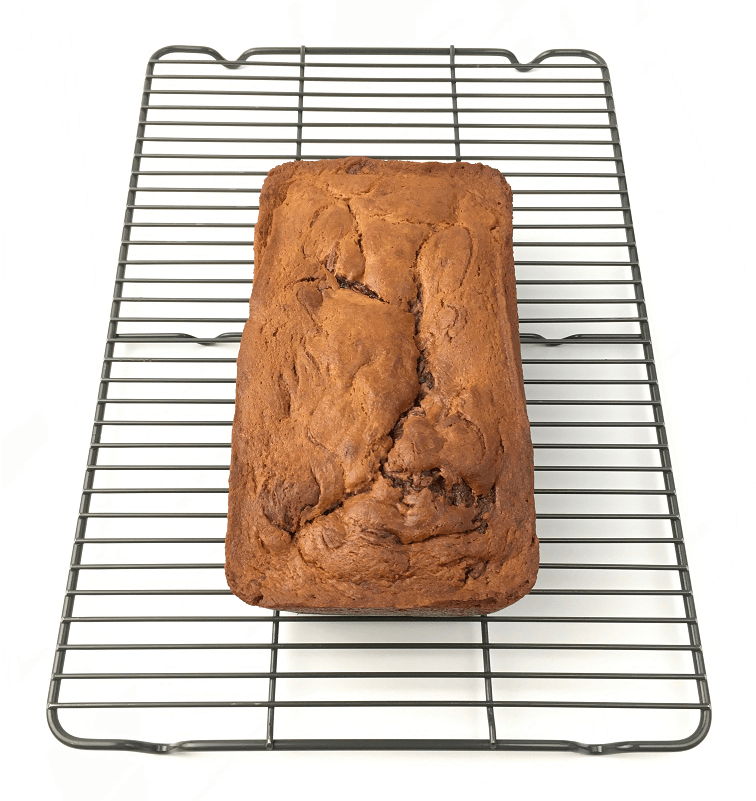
(469, 612)
(439, 609)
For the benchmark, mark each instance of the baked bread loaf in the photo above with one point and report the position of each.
(381, 456)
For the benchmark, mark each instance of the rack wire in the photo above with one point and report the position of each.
(154, 654)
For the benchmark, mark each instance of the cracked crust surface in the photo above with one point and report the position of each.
(381, 456)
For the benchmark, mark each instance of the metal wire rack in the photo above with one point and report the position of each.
(154, 654)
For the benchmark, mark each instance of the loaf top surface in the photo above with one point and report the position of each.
(381, 454)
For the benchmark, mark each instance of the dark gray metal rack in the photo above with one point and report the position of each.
(155, 655)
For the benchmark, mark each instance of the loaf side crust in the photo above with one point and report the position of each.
(381, 455)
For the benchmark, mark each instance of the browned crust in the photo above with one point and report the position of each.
(381, 454)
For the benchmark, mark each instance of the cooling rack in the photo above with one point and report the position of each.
(154, 654)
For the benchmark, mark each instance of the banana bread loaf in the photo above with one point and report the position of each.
(381, 456)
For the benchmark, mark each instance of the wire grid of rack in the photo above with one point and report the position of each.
(155, 654)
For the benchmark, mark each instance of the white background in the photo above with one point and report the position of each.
(72, 79)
